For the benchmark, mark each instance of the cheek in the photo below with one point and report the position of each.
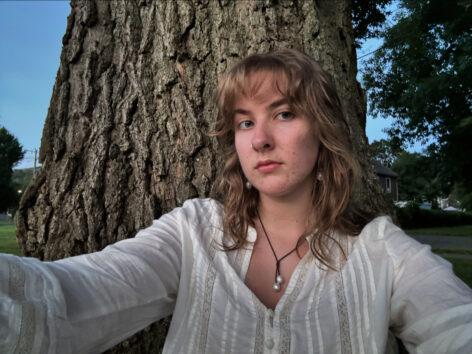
(307, 154)
(307, 146)
(238, 147)
(241, 151)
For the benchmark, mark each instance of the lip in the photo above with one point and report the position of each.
(267, 166)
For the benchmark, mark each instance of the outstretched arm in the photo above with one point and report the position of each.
(431, 309)
(90, 302)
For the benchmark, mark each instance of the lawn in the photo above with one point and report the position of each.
(462, 267)
(463, 230)
(8, 242)
(445, 251)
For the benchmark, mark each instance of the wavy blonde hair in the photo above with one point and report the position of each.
(311, 91)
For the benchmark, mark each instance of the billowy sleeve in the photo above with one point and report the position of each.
(88, 303)
(431, 309)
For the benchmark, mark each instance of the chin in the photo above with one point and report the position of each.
(274, 192)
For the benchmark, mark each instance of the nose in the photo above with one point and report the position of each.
(262, 139)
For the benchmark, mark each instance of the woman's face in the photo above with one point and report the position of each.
(277, 148)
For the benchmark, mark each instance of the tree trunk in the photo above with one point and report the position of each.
(125, 136)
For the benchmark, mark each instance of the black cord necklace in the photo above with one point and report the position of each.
(278, 277)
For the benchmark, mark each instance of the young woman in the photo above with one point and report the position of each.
(283, 263)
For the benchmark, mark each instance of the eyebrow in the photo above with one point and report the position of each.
(278, 103)
(272, 106)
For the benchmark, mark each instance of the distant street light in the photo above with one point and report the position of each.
(20, 191)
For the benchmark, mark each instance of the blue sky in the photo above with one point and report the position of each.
(30, 48)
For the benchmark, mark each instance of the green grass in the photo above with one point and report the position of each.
(463, 269)
(8, 243)
(463, 230)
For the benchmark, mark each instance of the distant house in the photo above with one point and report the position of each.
(449, 204)
(387, 179)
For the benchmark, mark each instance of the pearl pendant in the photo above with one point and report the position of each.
(279, 279)
(276, 287)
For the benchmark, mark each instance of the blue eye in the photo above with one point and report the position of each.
(246, 124)
(285, 115)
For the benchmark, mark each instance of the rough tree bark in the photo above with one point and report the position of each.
(125, 136)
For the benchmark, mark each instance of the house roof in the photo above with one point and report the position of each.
(383, 171)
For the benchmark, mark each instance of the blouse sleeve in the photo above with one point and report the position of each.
(431, 309)
(90, 302)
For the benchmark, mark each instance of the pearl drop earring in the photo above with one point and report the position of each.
(248, 185)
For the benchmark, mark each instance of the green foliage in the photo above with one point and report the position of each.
(21, 178)
(413, 217)
(10, 153)
(421, 177)
(10, 149)
(462, 193)
(367, 18)
(385, 151)
(422, 78)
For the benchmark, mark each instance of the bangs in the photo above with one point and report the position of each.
(249, 84)
(247, 78)
(308, 90)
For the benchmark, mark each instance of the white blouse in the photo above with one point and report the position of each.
(389, 284)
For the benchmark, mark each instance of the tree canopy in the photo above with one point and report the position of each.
(385, 151)
(422, 77)
(368, 16)
(419, 177)
(10, 153)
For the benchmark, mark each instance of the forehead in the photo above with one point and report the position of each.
(261, 86)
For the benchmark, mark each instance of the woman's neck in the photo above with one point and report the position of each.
(285, 217)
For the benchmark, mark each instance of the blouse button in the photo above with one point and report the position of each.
(269, 343)
(271, 320)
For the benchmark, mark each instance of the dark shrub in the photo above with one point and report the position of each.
(412, 217)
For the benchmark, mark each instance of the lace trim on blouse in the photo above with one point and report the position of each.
(343, 315)
(259, 337)
(285, 335)
(238, 262)
(207, 297)
(17, 291)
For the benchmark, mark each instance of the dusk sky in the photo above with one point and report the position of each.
(30, 48)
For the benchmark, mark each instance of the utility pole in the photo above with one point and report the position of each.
(34, 166)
